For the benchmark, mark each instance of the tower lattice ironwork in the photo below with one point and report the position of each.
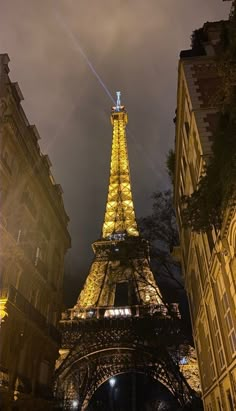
(119, 323)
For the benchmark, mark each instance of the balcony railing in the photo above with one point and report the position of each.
(159, 310)
(14, 297)
(30, 254)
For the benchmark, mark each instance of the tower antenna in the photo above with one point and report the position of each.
(118, 103)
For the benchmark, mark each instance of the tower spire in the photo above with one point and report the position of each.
(120, 216)
(118, 104)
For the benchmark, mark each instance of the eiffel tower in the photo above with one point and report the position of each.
(119, 323)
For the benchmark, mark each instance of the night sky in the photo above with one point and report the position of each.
(68, 57)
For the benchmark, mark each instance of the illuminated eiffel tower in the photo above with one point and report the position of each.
(119, 323)
(120, 254)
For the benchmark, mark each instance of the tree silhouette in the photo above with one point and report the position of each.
(160, 230)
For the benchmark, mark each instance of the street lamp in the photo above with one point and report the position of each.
(75, 404)
(112, 382)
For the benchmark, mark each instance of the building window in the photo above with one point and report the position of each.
(184, 164)
(196, 293)
(33, 297)
(2, 272)
(201, 264)
(44, 226)
(205, 354)
(192, 175)
(210, 240)
(3, 195)
(56, 273)
(210, 356)
(41, 260)
(19, 234)
(6, 161)
(201, 362)
(197, 154)
(187, 128)
(181, 181)
(218, 404)
(218, 341)
(41, 253)
(229, 323)
(230, 401)
(29, 201)
(18, 276)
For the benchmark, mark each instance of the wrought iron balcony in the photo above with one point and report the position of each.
(30, 253)
(15, 298)
(158, 310)
(154, 320)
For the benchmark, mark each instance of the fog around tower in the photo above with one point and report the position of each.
(69, 57)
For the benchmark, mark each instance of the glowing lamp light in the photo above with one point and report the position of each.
(75, 403)
(112, 381)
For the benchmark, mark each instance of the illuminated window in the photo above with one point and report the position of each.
(118, 312)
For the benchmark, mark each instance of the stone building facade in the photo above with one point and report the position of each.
(208, 259)
(34, 240)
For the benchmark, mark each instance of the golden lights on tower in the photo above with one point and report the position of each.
(121, 255)
(120, 216)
